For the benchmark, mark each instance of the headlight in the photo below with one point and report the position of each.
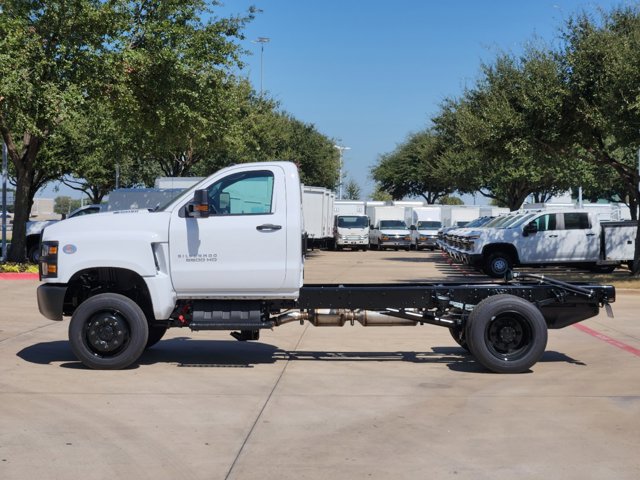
(384, 238)
(48, 260)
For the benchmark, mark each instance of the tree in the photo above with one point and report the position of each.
(156, 70)
(352, 191)
(602, 70)
(265, 134)
(510, 125)
(415, 168)
(63, 205)
(51, 57)
(379, 195)
(450, 200)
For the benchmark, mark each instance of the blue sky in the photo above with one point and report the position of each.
(368, 73)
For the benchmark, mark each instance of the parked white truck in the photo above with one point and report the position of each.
(124, 278)
(563, 237)
(424, 223)
(388, 229)
(350, 225)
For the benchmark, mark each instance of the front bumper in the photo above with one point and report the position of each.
(51, 300)
(395, 243)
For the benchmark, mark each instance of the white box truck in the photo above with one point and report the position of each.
(424, 223)
(350, 225)
(388, 228)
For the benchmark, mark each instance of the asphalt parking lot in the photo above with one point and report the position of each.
(316, 403)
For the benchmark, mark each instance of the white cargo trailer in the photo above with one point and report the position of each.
(317, 208)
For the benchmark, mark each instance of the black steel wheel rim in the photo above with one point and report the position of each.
(106, 333)
(509, 336)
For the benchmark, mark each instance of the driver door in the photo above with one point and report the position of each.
(240, 249)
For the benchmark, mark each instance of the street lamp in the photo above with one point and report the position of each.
(261, 41)
(341, 149)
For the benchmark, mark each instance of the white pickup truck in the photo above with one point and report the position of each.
(562, 237)
(124, 278)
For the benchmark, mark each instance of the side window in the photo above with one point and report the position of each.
(546, 222)
(576, 221)
(246, 193)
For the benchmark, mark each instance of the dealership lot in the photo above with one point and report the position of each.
(307, 402)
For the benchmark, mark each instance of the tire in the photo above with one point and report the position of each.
(497, 264)
(155, 335)
(458, 334)
(33, 253)
(506, 334)
(108, 332)
(603, 268)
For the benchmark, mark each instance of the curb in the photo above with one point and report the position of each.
(19, 276)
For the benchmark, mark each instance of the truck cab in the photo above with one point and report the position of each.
(425, 234)
(248, 244)
(351, 231)
(390, 234)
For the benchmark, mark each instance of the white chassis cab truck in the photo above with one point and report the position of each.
(124, 278)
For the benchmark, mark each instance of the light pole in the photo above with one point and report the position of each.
(340, 149)
(4, 200)
(261, 41)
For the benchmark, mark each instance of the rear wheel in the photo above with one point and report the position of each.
(458, 334)
(506, 334)
(108, 332)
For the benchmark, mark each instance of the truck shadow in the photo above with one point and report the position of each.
(186, 352)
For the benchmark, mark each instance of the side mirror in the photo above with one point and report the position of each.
(199, 207)
(529, 229)
(413, 227)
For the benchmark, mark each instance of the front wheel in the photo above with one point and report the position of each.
(506, 334)
(108, 332)
(33, 253)
(497, 264)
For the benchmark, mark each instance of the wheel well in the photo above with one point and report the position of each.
(94, 281)
(501, 247)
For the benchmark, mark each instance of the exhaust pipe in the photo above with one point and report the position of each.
(338, 317)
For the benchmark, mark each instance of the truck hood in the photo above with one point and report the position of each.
(123, 222)
(121, 239)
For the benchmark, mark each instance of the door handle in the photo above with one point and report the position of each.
(268, 227)
(591, 234)
(552, 236)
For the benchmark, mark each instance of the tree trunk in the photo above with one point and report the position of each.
(23, 204)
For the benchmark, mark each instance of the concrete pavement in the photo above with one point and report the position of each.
(316, 403)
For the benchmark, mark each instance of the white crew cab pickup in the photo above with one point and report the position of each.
(562, 237)
(227, 255)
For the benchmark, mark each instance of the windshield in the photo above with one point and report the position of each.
(500, 221)
(429, 225)
(190, 190)
(478, 222)
(353, 221)
(521, 220)
(392, 225)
